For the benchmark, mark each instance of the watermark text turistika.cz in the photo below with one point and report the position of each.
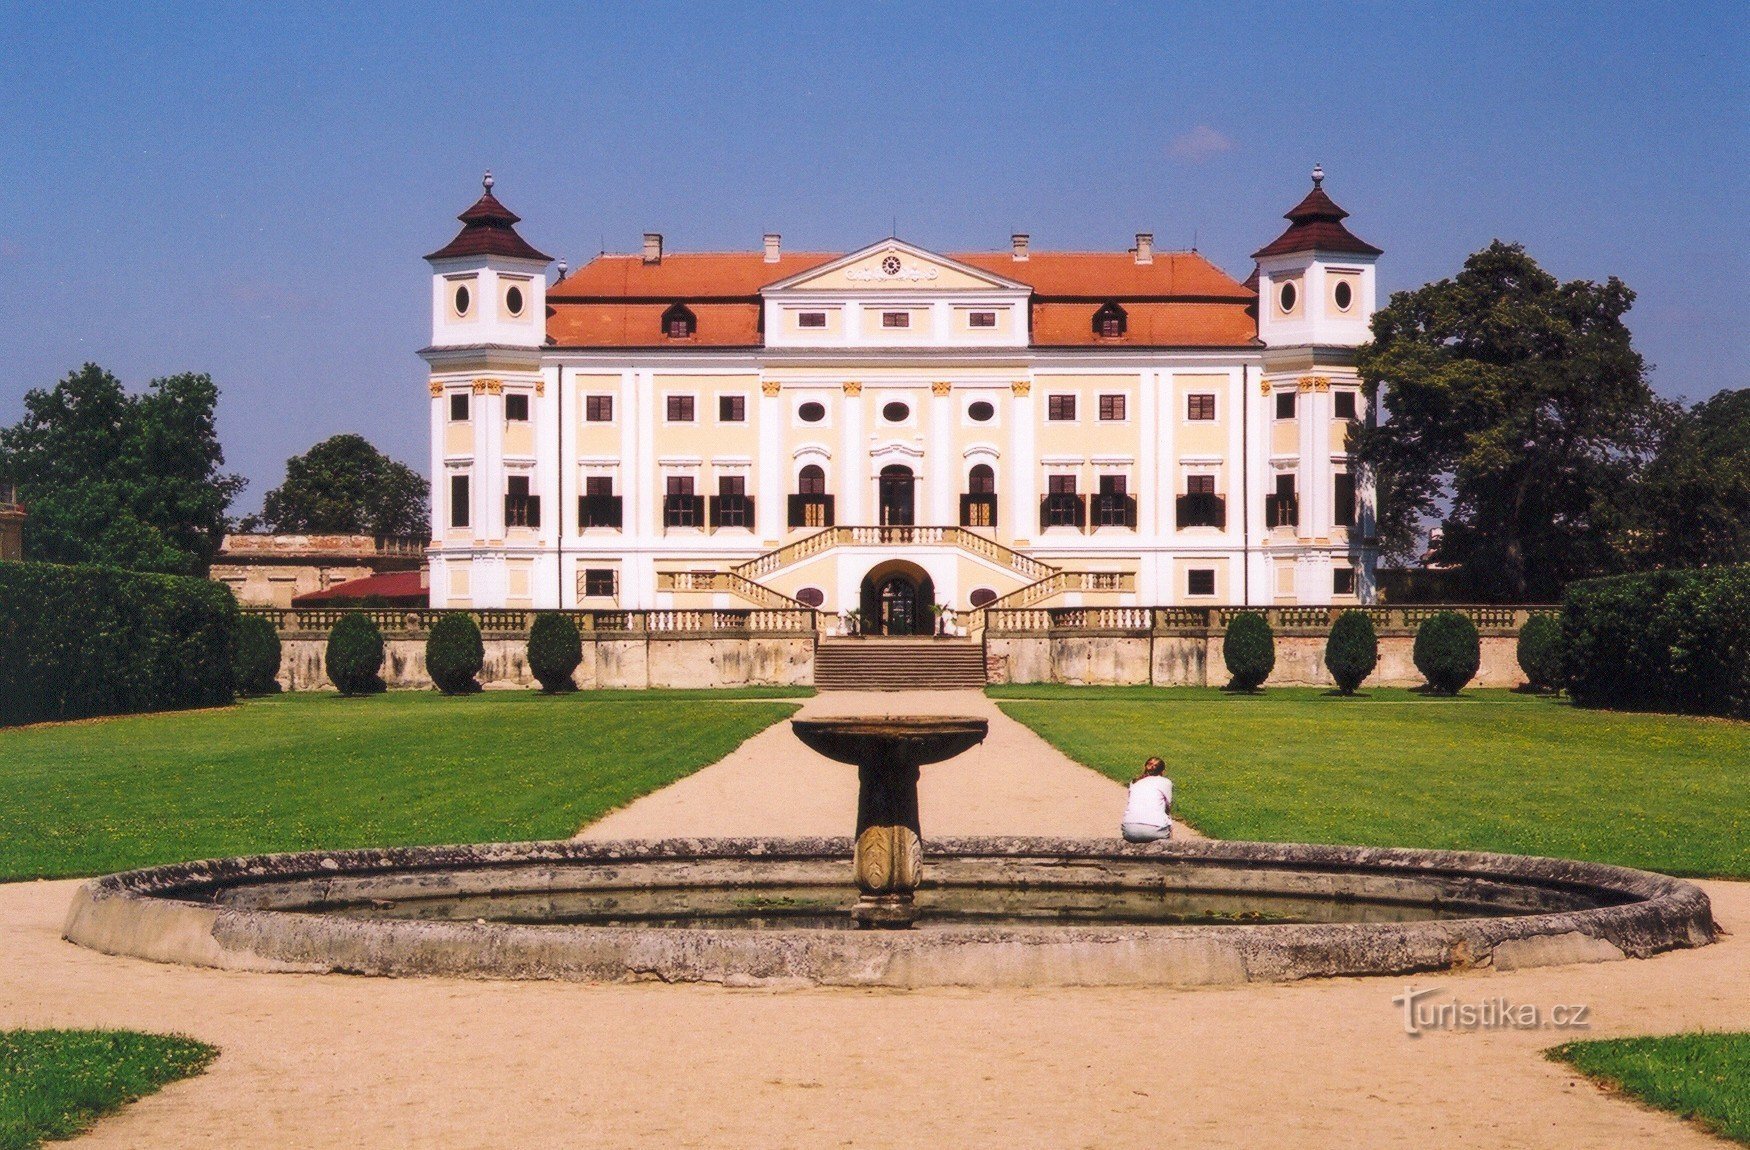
(1422, 1012)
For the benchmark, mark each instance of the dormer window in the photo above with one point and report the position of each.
(678, 322)
(1110, 322)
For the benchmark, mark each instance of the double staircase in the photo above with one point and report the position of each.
(881, 664)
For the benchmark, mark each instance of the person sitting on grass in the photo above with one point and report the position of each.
(1148, 815)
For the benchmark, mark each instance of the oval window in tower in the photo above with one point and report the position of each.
(513, 300)
(980, 411)
(463, 299)
(811, 413)
(1288, 296)
(895, 412)
(1343, 294)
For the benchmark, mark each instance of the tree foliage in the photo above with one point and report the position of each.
(345, 486)
(454, 653)
(1540, 652)
(354, 655)
(1249, 650)
(1518, 405)
(130, 481)
(1694, 500)
(1351, 650)
(1447, 651)
(555, 651)
(258, 656)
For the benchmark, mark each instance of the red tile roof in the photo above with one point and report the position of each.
(489, 229)
(1316, 224)
(400, 588)
(1180, 299)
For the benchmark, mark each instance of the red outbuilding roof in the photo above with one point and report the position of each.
(397, 588)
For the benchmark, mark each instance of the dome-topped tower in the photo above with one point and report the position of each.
(489, 284)
(1315, 280)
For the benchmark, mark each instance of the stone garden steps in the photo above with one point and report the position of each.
(878, 664)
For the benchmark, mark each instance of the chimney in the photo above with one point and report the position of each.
(1018, 242)
(1145, 247)
(772, 239)
(652, 247)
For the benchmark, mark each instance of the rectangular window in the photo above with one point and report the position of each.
(598, 408)
(1200, 485)
(1282, 506)
(811, 319)
(1060, 484)
(1284, 404)
(1112, 408)
(1062, 506)
(680, 409)
(732, 409)
(731, 485)
(458, 406)
(458, 501)
(1113, 507)
(1343, 403)
(732, 507)
(599, 582)
(1200, 408)
(1200, 506)
(596, 486)
(1343, 500)
(516, 408)
(599, 507)
(896, 319)
(1200, 581)
(520, 508)
(1342, 581)
(680, 507)
(1061, 408)
(982, 319)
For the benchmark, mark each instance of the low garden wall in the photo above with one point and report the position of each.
(1181, 646)
(621, 649)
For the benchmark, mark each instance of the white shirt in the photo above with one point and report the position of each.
(1150, 796)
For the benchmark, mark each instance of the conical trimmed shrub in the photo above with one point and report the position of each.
(1540, 652)
(1351, 650)
(355, 655)
(454, 653)
(555, 650)
(257, 656)
(1448, 651)
(1249, 650)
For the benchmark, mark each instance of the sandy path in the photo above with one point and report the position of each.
(334, 1061)
(1013, 783)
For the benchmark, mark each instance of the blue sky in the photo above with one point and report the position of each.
(247, 190)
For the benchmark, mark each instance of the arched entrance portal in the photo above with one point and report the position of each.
(896, 600)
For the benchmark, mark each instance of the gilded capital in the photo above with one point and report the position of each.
(852, 387)
(1021, 386)
(436, 388)
(494, 386)
(540, 387)
(1320, 383)
(479, 387)
(770, 387)
(940, 388)
(1263, 387)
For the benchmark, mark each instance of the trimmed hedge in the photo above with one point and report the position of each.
(1448, 651)
(1351, 650)
(1540, 652)
(1661, 641)
(354, 655)
(81, 641)
(1249, 650)
(555, 650)
(258, 656)
(454, 654)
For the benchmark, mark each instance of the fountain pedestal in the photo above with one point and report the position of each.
(888, 752)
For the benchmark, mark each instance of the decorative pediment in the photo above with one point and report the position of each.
(894, 265)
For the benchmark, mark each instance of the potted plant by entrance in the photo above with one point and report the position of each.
(944, 614)
(853, 623)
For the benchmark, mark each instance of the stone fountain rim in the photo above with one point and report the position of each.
(137, 913)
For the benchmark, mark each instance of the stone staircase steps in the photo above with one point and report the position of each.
(876, 664)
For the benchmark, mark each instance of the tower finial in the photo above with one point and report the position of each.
(1318, 174)
(486, 180)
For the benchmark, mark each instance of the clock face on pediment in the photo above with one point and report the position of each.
(895, 267)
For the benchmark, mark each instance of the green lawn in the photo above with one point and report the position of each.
(56, 1083)
(311, 771)
(1705, 1077)
(1489, 770)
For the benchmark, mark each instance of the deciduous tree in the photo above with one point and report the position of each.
(1518, 405)
(345, 486)
(1694, 500)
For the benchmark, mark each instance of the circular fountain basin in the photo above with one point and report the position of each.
(992, 912)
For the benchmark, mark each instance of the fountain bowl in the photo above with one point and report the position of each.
(991, 912)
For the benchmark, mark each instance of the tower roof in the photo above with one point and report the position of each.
(489, 229)
(1316, 224)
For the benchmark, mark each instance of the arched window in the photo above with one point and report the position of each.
(978, 507)
(678, 322)
(1110, 322)
(811, 506)
(811, 480)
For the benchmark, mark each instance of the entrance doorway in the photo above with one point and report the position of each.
(896, 600)
(897, 496)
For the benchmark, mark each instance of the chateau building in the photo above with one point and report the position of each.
(894, 429)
